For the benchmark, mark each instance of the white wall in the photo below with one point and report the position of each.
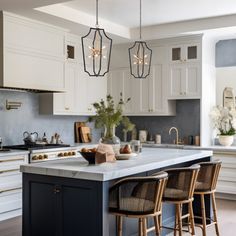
(225, 77)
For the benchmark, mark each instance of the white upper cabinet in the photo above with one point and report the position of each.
(33, 55)
(148, 96)
(184, 71)
(81, 90)
(187, 52)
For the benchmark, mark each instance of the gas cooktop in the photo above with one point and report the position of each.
(37, 146)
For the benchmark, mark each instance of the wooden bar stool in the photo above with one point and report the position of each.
(179, 190)
(138, 197)
(206, 184)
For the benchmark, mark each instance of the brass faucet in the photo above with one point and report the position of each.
(177, 141)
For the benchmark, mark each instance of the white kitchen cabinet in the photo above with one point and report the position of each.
(226, 185)
(33, 55)
(11, 185)
(120, 81)
(185, 81)
(90, 90)
(185, 52)
(184, 71)
(147, 95)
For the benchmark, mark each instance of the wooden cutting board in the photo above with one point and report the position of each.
(85, 134)
(78, 125)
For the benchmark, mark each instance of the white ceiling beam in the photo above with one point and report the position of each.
(184, 27)
(79, 17)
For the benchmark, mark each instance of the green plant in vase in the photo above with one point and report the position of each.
(108, 116)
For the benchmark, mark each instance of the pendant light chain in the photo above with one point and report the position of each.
(140, 23)
(97, 14)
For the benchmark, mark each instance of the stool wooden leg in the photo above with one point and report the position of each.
(157, 225)
(144, 227)
(140, 226)
(179, 219)
(119, 222)
(215, 213)
(191, 218)
(176, 220)
(203, 215)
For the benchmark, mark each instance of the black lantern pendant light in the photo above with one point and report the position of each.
(140, 55)
(96, 47)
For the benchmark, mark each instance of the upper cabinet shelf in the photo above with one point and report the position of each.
(33, 55)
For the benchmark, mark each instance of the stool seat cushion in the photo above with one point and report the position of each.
(132, 204)
(175, 194)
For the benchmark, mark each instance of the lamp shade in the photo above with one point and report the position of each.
(140, 56)
(96, 48)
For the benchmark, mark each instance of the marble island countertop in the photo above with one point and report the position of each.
(149, 159)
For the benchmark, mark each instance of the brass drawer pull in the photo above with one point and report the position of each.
(16, 159)
(11, 189)
(5, 171)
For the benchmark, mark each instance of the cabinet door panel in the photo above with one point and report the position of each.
(70, 210)
(116, 82)
(144, 106)
(176, 74)
(65, 103)
(156, 88)
(192, 82)
(42, 210)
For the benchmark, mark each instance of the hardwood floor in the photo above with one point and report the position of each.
(226, 217)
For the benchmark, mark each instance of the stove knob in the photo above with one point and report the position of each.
(34, 158)
(60, 154)
(69, 153)
(45, 156)
(73, 153)
(40, 157)
(65, 154)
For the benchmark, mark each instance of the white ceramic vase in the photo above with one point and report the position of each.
(226, 140)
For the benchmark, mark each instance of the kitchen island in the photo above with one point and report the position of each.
(70, 197)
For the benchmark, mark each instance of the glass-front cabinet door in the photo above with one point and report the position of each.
(184, 53)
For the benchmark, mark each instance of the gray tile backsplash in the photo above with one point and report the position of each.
(27, 118)
(187, 120)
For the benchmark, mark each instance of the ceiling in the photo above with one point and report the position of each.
(126, 12)
(120, 18)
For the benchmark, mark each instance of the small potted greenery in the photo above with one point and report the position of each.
(108, 116)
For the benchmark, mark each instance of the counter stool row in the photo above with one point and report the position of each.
(142, 197)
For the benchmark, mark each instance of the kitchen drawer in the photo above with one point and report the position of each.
(11, 164)
(8, 179)
(9, 159)
(8, 186)
(11, 201)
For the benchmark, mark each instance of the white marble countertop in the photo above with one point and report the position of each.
(13, 153)
(214, 148)
(149, 159)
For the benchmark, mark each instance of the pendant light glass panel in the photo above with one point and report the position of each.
(96, 47)
(140, 56)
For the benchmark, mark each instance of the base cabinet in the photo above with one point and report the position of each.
(61, 207)
(226, 185)
(11, 186)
